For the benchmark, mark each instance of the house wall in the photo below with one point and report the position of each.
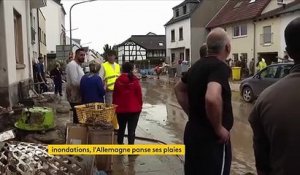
(189, 7)
(205, 11)
(54, 23)
(202, 15)
(13, 73)
(185, 24)
(243, 44)
(16, 75)
(62, 22)
(34, 53)
(120, 53)
(273, 5)
(4, 93)
(140, 54)
(275, 29)
(185, 43)
(42, 25)
(199, 35)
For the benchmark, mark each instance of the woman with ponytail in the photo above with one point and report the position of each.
(128, 96)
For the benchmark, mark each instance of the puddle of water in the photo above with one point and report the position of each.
(155, 122)
(157, 113)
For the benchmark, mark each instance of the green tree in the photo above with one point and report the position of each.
(108, 49)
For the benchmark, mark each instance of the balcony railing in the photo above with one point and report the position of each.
(266, 39)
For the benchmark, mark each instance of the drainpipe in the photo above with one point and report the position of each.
(38, 31)
(28, 37)
(254, 46)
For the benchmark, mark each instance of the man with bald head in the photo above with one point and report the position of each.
(275, 118)
(205, 95)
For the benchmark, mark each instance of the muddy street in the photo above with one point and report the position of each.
(162, 118)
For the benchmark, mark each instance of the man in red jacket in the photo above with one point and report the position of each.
(128, 96)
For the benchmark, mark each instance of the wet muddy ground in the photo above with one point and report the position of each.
(161, 119)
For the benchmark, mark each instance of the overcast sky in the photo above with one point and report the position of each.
(113, 21)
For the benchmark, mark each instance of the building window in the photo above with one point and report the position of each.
(244, 56)
(235, 56)
(181, 56)
(33, 22)
(45, 39)
(161, 44)
(240, 30)
(267, 35)
(173, 57)
(18, 37)
(236, 31)
(187, 53)
(172, 35)
(155, 53)
(40, 33)
(177, 12)
(32, 35)
(180, 33)
(184, 9)
(244, 30)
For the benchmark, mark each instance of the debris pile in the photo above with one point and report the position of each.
(18, 108)
(29, 158)
(5, 110)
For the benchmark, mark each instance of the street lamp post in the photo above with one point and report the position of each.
(86, 43)
(71, 18)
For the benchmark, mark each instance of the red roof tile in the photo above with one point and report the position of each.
(231, 12)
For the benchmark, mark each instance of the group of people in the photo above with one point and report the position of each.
(106, 83)
(245, 69)
(40, 80)
(205, 96)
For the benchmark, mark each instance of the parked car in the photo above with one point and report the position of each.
(251, 87)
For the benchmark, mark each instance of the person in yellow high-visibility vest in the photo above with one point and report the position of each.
(110, 72)
(261, 64)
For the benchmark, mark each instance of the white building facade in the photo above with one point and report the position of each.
(55, 24)
(186, 31)
(16, 49)
(178, 39)
(270, 29)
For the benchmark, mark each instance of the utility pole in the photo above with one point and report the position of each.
(70, 13)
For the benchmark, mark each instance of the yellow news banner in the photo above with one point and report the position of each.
(116, 149)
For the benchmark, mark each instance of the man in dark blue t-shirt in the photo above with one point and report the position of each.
(205, 95)
(41, 75)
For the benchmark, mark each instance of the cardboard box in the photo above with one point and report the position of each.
(76, 134)
(101, 136)
(97, 135)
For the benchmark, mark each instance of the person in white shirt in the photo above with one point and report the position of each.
(74, 73)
